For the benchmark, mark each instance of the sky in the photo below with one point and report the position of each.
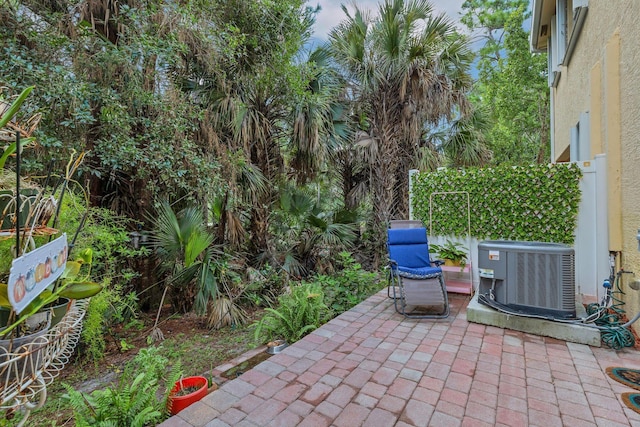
(331, 12)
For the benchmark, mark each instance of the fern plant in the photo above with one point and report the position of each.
(128, 403)
(296, 315)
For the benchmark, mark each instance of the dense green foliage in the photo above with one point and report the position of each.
(297, 314)
(104, 89)
(213, 102)
(314, 232)
(313, 302)
(113, 267)
(111, 307)
(349, 285)
(531, 203)
(133, 400)
(488, 18)
(512, 82)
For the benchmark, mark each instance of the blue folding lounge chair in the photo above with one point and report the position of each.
(415, 281)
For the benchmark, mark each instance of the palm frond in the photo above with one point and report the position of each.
(198, 241)
(252, 179)
(225, 312)
(167, 237)
(465, 145)
(293, 266)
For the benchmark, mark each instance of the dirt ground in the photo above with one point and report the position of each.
(187, 339)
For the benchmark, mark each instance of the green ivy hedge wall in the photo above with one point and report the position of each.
(530, 203)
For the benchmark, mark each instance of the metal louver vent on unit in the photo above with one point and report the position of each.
(568, 282)
(534, 277)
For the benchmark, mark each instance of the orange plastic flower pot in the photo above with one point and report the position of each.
(178, 403)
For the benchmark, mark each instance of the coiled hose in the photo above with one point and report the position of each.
(613, 333)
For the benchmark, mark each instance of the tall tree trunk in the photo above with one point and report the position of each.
(401, 192)
(222, 224)
(347, 185)
(266, 155)
(407, 160)
(149, 76)
(348, 179)
(92, 135)
(383, 186)
(259, 230)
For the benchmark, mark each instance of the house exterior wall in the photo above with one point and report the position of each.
(603, 79)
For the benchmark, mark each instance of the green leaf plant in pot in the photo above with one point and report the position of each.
(454, 254)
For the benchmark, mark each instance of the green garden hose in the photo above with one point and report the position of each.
(614, 334)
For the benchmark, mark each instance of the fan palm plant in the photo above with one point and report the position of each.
(245, 186)
(251, 91)
(319, 129)
(311, 233)
(183, 245)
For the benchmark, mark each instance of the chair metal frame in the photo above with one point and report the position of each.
(432, 283)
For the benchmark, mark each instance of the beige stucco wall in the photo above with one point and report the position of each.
(616, 121)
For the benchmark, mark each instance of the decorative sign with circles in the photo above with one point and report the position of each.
(33, 272)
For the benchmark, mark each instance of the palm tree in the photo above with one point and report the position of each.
(319, 130)
(406, 68)
(259, 109)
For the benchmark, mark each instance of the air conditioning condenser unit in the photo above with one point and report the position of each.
(536, 278)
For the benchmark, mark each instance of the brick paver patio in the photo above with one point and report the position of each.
(371, 367)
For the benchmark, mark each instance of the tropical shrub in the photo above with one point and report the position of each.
(132, 401)
(349, 286)
(309, 232)
(297, 314)
(185, 249)
(264, 286)
(110, 307)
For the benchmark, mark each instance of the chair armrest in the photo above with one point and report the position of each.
(437, 262)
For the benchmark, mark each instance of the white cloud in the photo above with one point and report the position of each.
(331, 13)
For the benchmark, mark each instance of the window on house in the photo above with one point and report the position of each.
(552, 56)
(561, 29)
(570, 16)
(565, 30)
(580, 142)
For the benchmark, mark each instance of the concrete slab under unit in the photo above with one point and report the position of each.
(480, 313)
